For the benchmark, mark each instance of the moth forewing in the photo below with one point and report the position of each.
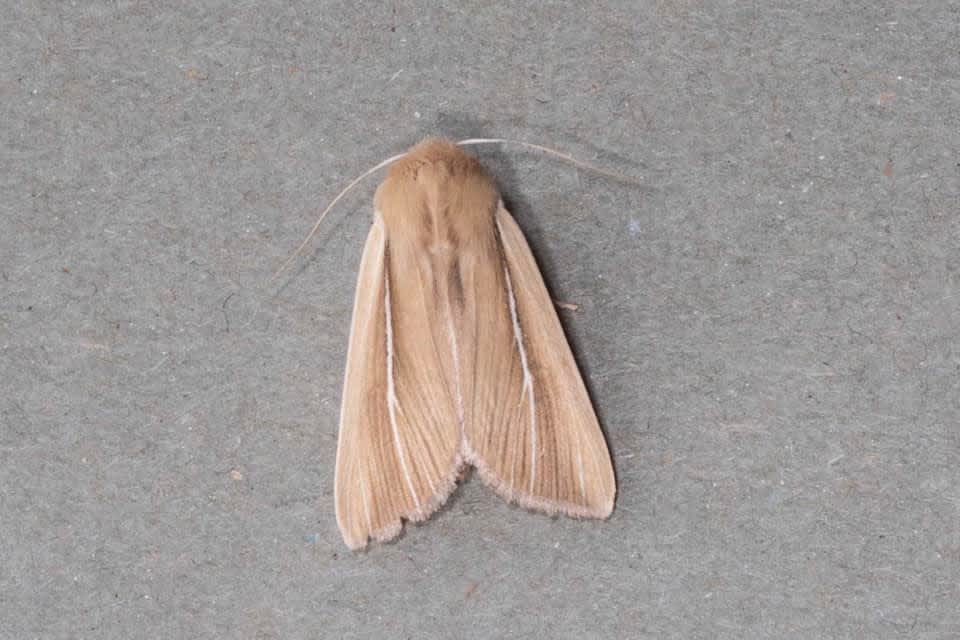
(542, 446)
(397, 455)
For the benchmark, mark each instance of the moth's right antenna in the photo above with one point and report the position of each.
(553, 152)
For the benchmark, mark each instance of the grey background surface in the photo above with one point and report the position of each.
(768, 324)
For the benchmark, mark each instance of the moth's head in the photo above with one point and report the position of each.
(438, 177)
(432, 150)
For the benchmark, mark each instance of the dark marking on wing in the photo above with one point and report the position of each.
(426, 222)
(456, 285)
(452, 238)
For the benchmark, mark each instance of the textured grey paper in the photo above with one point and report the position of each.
(768, 325)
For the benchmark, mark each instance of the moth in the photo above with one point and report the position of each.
(456, 358)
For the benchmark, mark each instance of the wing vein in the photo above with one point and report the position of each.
(366, 503)
(392, 404)
(451, 331)
(527, 377)
(583, 486)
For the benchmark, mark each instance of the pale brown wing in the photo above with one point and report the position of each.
(529, 427)
(398, 450)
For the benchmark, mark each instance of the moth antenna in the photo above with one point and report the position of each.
(330, 206)
(553, 152)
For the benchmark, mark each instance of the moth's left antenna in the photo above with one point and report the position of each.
(330, 206)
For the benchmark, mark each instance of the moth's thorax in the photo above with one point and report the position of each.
(438, 197)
